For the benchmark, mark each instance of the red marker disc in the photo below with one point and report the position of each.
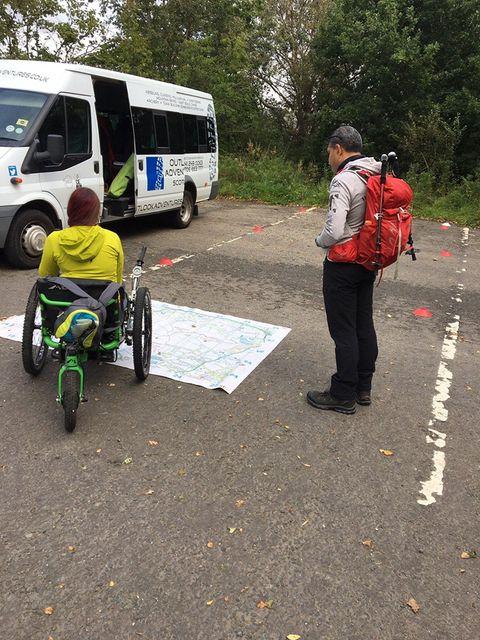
(165, 262)
(302, 210)
(422, 312)
(445, 254)
(257, 229)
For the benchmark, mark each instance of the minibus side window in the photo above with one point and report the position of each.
(78, 126)
(202, 134)
(54, 123)
(191, 135)
(144, 131)
(70, 118)
(163, 145)
(175, 130)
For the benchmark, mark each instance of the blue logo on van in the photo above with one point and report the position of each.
(155, 177)
(12, 171)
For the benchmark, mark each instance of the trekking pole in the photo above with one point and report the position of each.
(393, 160)
(383, 180)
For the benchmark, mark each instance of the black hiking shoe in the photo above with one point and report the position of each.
(324, 400)
(364, 398)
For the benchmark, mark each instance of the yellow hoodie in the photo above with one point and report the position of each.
(83, 252)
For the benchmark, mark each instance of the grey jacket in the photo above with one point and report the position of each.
(346, 205)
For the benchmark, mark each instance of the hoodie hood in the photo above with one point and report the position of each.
(82, 243)
(370, 164)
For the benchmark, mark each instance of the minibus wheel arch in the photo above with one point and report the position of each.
(27, 233)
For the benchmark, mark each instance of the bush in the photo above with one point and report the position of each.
(460, 203)
(271, 178)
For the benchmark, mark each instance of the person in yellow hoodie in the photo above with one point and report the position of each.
(83, 249)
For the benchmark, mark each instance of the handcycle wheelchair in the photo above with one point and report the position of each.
(128, 318)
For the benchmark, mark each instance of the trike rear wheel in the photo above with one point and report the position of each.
(142, 333)
(34, 349)
(70, 398)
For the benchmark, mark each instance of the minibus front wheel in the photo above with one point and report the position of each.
(26, 238)
(182, 218)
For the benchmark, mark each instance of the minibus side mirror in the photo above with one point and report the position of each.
(55, 150)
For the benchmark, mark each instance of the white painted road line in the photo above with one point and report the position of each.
(434, 485)
(297, 214)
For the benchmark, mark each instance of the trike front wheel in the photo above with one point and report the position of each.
(142, 333)
(70, 398)
(34, 349)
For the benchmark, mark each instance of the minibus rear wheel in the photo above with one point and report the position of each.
(26, 238)
(182, 218)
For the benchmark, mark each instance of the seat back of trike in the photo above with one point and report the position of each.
(56, 298)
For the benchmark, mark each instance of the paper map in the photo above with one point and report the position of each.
(194, 346)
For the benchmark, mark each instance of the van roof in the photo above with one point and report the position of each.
(47, 75)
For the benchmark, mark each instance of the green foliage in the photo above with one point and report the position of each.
(375, 70)
(431, 141)
(272, 178)
(460, 203)
(56, 30)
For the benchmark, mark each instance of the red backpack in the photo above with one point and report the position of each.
(386, 231)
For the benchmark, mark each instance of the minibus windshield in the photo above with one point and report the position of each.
(18, 111)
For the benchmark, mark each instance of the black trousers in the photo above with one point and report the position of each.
(348, 297)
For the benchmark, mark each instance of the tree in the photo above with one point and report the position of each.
(374, 69)
(286, 68)
(57, 30)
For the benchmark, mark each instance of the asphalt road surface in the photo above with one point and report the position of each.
(255, 516)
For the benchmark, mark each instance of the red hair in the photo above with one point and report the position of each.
(83, 208)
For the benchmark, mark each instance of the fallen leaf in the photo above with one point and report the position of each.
(368, 543)
(414, 606)
(226, 599)
(72, 549)
(210, 544)
(244, 446)
(111, 384)
(111, 583)
(239, 503)
(128, 461)
(462, 570)
(293, 636)
(306, 465)
(466, 555)
(199, 453)
(260, 399)
(265, 604)
(386, 452)
(232, 529)
(210, 602)
(148, 492)
(182, 472)
(152, 443)
(98, 451)
(48, 611)
(304, 523)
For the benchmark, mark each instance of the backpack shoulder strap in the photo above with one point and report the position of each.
(363, 174)
(108, 293)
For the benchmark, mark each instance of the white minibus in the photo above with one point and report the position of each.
(64, 126)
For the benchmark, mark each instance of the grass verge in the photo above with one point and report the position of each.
(271, 178)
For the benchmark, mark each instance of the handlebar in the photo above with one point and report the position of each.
(141, 255)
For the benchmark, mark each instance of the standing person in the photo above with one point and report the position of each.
(347, 286)
(83, 249)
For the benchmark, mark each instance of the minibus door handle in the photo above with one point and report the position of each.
(140, 165)
(96, 166)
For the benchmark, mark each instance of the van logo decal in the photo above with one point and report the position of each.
(12, 171)
(155, 177)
